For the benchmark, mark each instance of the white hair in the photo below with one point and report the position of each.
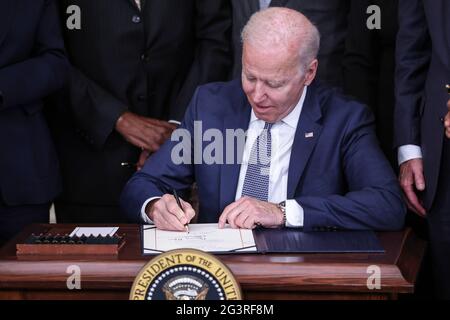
(283, 27)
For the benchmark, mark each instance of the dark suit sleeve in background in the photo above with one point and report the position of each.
(213, 57)
(95, 111)
(412, 61)
(33, 79)
(360, 69)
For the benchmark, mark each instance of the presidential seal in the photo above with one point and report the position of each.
(185, 274)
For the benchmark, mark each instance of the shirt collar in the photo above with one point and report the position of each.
(292, 118)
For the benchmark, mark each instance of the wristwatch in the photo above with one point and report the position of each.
(282, 207)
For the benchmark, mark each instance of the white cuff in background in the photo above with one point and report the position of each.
(409, 152)
(144, 215)
(294, 214)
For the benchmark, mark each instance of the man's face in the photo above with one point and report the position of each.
(272, 81)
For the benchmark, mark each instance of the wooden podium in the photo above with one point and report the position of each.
(268, 277)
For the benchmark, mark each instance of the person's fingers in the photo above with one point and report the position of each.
(173, 208)
(411, 175)
(166, 219)
(161, 218)
(155, 140)
(140, 141)
(233, 215)
(142, 159)
(250, 223)
(409, 205)
(414, 200)
(224, 216)
(235, 212)
(159, 123)
(171, 223)
(188, 210)
(241, 219)
(419, 179)
(223, 219)
(447, 121)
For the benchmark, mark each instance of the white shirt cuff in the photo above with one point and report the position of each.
(294, 214)
(409, 152)
(174, 122)
(144, 215)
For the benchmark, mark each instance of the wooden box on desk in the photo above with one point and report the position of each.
(52, 244)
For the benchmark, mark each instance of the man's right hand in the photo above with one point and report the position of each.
(145, 133)
(411, 179)
(167, 215)
(447, 121)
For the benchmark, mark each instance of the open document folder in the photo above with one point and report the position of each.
(209, 238)
(205, 237)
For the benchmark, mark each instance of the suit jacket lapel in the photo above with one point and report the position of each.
(229, 173)
(306, 137)
(7, 13)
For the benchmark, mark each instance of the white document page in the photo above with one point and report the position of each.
(205, 237)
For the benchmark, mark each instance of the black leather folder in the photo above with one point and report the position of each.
(295, 241)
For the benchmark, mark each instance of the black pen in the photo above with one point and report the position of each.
(175, 194)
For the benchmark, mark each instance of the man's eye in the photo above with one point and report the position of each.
(274, 85)
(251, 79)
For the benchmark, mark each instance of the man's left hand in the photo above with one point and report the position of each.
(447, 121)
(248, 213)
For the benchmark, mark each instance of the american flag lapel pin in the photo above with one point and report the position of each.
(309, 135)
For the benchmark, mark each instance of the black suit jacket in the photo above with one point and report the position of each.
(369, 64)
(330, 17)
(422, 71)
(32, 65)
(148, 62)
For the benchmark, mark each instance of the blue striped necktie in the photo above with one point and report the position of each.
(256, 183)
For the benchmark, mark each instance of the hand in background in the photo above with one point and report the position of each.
(167, 215)
(412, 179)
(447, 121)
(144, 133)
(142, 158)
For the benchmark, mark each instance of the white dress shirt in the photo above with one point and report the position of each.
(283, 134)
(409, 152)
(264, 4)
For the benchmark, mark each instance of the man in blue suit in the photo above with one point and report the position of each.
(310, 160)
(423, 71)
(32, 65)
